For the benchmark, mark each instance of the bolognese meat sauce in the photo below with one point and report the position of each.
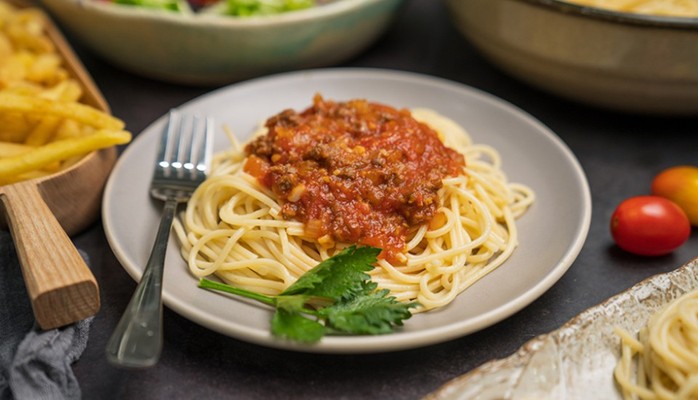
(355, 171)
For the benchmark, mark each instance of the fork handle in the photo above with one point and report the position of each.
(137, 339)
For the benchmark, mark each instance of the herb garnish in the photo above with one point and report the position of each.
(337, 296)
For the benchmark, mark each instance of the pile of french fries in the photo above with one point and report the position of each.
(43, 126)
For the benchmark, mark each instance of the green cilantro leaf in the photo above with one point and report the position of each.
(295, 303)
(294, 326)
(338, 276)
(339, 296)
(371, 313)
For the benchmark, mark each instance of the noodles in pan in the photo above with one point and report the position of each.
(677, 8)
(255, 235)
(662, 363)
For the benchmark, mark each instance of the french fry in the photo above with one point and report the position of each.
(10, 102)
(26, 32)
(67, 91)
(14, 127)
(43, 126)
(16, 149)
(23, 88)
(71, 91)
(59, 150)
(13, 149)
(42, 132)
(45, 68)
(13, 69)
(29, 175)
(67, 128)
(6, 49)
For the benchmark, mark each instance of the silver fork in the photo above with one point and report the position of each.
(183, 162)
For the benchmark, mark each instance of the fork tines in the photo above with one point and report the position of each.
(185, 147)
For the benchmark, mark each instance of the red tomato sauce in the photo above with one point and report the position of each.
(354, 172)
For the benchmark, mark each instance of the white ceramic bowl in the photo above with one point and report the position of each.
(630, 62)
(213, 49)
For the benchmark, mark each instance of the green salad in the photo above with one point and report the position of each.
(170, 5)
(235, 8)
(243, 8)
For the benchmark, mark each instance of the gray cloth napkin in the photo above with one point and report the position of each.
(34, 364)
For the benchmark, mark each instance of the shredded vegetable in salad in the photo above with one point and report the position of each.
(235, 8)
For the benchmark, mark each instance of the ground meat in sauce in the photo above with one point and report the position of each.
(355, 171)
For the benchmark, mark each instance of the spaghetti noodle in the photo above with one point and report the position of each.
(677, 8)
(236, 227)
(662, 363)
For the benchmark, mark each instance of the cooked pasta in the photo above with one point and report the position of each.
(234, 227)
(662, 362)
(677, 8)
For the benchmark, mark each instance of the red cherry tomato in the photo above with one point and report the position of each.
(649, 225)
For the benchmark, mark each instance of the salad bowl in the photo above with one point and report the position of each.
(210, 49)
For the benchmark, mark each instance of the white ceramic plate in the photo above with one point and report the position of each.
(552, 232)
(574, 362)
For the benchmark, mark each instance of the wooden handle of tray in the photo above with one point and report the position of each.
(61, 286)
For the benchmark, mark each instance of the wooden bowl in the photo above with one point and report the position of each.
(42, 213)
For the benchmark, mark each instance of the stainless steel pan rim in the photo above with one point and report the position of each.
(616, 16)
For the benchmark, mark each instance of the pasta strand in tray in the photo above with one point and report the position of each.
(234, 227)
(662, 363)
(676, 8)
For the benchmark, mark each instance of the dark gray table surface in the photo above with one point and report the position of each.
(619, 152)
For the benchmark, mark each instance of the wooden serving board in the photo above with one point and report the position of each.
(42, 213)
